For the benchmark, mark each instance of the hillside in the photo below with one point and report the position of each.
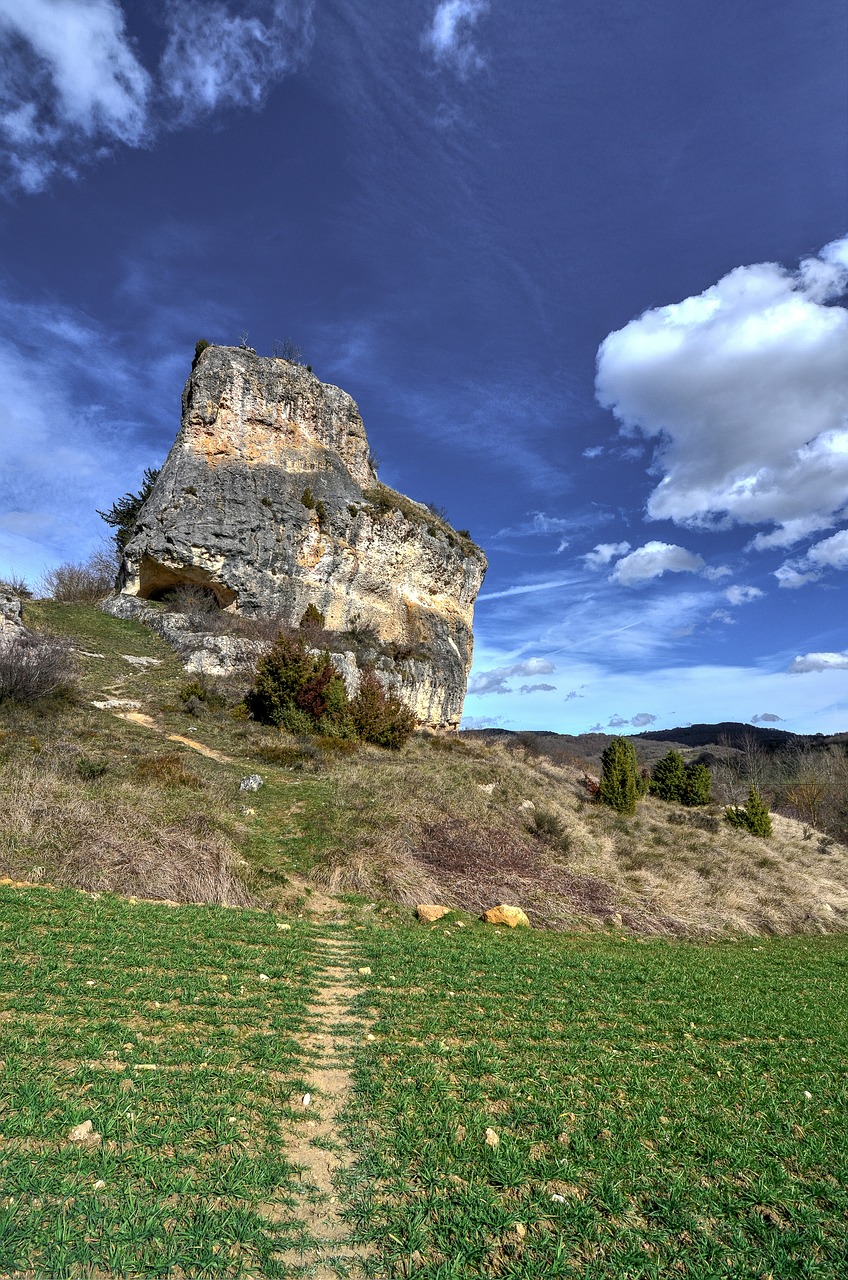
(331, 1090)
(142, 796)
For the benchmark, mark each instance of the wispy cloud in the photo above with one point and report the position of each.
(830, 553)
(494, 681)
(74, 85)
(215, 57)
(450, 36)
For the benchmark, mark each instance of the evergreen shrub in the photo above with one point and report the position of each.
(619, 787)
(753, 816)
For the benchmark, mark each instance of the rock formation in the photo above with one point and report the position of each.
(270, 500)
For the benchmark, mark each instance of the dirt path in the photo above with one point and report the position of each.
(316, 1143)
(147, 722)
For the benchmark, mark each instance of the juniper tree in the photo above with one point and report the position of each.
(619, 786)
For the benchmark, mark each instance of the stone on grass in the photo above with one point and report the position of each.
(491, 1138)
(505, 914)
(430, 912)
(251, 783)
(85, 1135)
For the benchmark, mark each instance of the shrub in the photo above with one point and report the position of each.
(678, 783)
(82, 583)
(547, 825)
(300, 691)
(753, 816)
(191, 598)
(312, 620)
(697, 785)
(619, 786)
(198, 695)
(34, 668)
(380, 717)
(16, 586)
(667, 777)
(308, 499)
(199, 348)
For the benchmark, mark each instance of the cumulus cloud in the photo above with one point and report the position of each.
(483, 722)
(449, 38)
(604, 553)
(652, 561)
(767, 717)
(494, 681)
(534, 688)
(818, 662)
(746, 387)
(74, 86)
(738, 594)
(637, 722)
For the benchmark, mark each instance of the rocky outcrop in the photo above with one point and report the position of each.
(269, 500)
(11, 621)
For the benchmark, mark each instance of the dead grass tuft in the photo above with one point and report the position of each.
(168, 770)
(53, 828)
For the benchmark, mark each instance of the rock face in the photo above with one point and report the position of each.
(269, 499)
(11, 622)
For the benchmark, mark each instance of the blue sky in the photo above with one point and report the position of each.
(583, 268)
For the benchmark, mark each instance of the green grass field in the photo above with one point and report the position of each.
(154, 1024)
(662, 1109)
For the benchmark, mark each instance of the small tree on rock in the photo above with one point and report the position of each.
(619, 781)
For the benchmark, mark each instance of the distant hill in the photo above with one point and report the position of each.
(728, 733)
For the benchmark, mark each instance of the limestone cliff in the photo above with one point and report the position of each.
(269, 498)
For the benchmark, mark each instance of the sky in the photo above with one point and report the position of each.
(583, 268)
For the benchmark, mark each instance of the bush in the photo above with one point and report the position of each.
(753, 816)
(547, 825)
(34, 668)
(678, 783)
(199, 348)
(619, 785)
(697, 785)
(308, 499)
(380, 717)
(82, 583)
(667, 777)
(300, 691)
(312, 620)
(16, 586)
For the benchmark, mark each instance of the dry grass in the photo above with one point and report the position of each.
(55, 827)
(454, 825)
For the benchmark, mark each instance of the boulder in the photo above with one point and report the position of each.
(505, 914)
(269, 502)
(429, 912)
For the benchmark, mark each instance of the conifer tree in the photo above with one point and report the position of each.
(619, 786)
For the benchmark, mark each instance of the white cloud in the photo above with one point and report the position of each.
(742, 595)
(719, 571)
(71, 79)
(818, 662)
(746, 385)
(604, 553)
(533, 688)
(538, 524)
(639, 721)
(449, 37)
(215, 57)
(73, 85)
(767, 717)
(721, 615)
(830, 553)
(594, 451)
(652, 561)
(494, 681)
(72, 421)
